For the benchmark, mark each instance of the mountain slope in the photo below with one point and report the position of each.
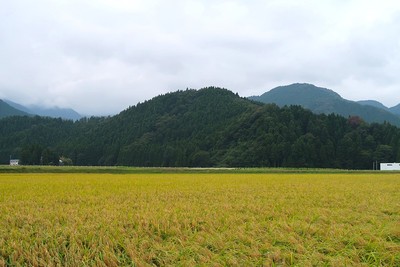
(56, 112)
(6, 110)
(321, 100)
(373, 103)
(181, 123)
(299, 94)
(395, 109)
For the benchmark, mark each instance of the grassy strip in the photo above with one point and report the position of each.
(133, 170)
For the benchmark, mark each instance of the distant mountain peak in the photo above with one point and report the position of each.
(307, 88)
(373, 103)
(303, 94)
(322, 100)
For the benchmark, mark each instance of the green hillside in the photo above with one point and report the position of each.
(322, 100)
(6, 110)
(211, 127)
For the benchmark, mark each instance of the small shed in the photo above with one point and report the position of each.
(14, 162)
(390, 166)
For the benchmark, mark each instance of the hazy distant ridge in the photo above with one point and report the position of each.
(56, 112)
(7, 110)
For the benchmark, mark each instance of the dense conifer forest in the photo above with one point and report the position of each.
(210, 127)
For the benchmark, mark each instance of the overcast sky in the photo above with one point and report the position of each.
(99, 57)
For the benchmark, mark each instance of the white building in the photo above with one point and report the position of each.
(14, 162)
(390, 166)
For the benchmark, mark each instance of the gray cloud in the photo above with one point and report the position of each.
(102, 56)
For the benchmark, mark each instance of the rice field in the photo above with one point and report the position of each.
(200, 219)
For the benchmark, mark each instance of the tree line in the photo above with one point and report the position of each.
(211, 127)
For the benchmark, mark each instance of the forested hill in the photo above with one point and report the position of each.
(207, 127)
(322, 100)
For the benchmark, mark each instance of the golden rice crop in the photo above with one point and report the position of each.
(199, 219)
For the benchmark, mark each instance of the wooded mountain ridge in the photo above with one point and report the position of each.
(210, 127)
(322, 100)
(317, 99)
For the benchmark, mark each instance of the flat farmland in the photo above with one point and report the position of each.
(187, 219)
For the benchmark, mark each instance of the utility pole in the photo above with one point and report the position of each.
(375, 165)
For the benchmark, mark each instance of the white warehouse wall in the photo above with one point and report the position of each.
(390, 166)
